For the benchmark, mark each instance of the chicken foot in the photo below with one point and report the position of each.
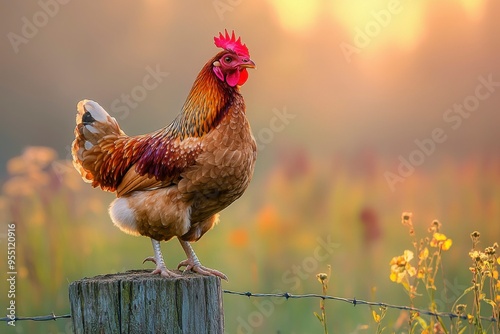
(192, 263)
(160, 263)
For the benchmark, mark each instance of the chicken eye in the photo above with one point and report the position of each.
(228, 59)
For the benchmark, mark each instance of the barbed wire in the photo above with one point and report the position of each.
(287, 296)
(51, 316)
(355, 302)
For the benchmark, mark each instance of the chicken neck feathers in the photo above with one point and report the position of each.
(110, 159)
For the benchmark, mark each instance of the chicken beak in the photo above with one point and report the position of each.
(247, 63)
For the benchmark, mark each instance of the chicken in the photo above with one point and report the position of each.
(175, 181)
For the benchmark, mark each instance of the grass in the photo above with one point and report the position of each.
(419, 273)
(274, 238)
(323, 280)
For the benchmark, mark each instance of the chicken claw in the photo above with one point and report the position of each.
(160, 263)
(198, 268)
(192, 263)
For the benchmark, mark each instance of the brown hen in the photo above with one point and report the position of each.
(175, 181)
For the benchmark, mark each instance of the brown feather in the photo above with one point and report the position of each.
(177, 179)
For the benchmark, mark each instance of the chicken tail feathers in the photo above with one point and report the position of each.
(95, 135)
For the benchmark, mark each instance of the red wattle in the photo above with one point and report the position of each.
(233, 78)
(243, 77)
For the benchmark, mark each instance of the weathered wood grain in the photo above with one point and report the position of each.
(138, 302)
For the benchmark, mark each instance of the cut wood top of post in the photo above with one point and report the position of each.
(144, 274)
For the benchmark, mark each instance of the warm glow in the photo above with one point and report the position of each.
(389, 23)
(474, 8)
(297, 16)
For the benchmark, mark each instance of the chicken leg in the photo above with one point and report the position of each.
(158, 260)
(192, 263)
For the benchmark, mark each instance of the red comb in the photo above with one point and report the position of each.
(230, 43)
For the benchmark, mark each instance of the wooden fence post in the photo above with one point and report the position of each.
(136, 302)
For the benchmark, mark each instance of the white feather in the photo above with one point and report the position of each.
(97, 112)
(123, 216)
(92, 129)
(88, 145)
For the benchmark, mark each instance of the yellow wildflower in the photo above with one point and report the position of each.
(421, 273)
(440, 240)
(376, 316)
(424, 254)
(475, 255)
(322, 277)
(401, 267)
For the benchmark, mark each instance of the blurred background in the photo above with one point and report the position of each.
(361, 110)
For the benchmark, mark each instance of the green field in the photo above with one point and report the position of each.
(298, 216)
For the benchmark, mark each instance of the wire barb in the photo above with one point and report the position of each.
(355, 302)
(287, 296)
(51, 316)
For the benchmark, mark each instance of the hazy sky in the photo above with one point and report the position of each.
(355, 75)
